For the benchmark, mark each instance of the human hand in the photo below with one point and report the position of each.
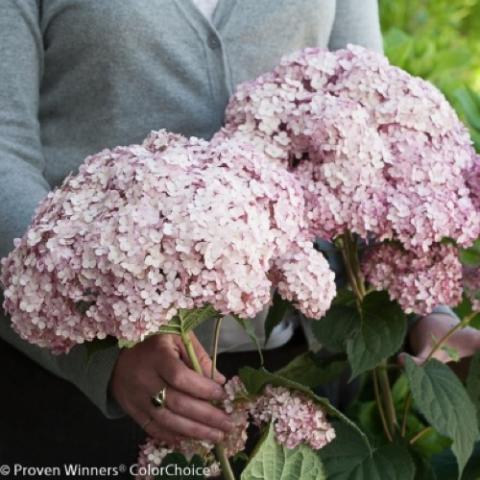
(162, 361)
(430, 329)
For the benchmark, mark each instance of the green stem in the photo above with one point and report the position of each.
(406, 408)
(378, 399)
(355, 263)
(227, 471)
(447, 335)
(216, 337)
(387, 397)
(342, 244)
(383, 392)
(420, 434)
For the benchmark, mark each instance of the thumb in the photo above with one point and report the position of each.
(417, 359)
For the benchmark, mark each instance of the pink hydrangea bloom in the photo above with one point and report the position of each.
(471, 286)
(473, 182)
(298, 276)
(152, 455)
(418, 283)
(143, 231)
(378, 151)
(296, 418)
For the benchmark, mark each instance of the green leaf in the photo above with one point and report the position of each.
(471, 256)
(466, 98)
(473, 383)
(423, 467)
(400, 390)
(443, 401)
(249, 329)
(465, 309)
(191, 319)
(276, 313)
(382, 333)
(398, 46)
(126, 343)
(452, 353)
(312, 371)
(273, 461)
(256, 379)
(187, 320)
(430, 443)
(333, 330)
(98, 345)
(347, 458)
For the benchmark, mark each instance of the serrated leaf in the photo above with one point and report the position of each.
(339, 323)
(382, 333)
(170, 329)
(473, 383)
(256, 379)
(187, 320)
(312, 371)
(346, 458)
(191, 319)
(275, 315)
(272, 461)
(441, 398)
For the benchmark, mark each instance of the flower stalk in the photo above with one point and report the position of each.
(227, 470)
(381, 382)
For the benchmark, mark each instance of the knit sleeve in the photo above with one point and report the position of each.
(356, 22)
(23, 185)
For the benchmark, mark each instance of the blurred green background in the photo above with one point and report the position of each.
(440, 41)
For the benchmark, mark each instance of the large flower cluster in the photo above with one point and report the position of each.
(418, 283)
(146, 230)
(378, 151)
(296, 420)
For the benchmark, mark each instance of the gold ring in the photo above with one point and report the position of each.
(159, 399)
(144, 426)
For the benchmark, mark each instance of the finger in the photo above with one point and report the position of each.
(401, 359)
(174, 371)
(204, 359)
(166, 419)
(198, 410)
(148, 424)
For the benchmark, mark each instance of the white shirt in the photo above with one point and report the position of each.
(207, 7)
(232, 336)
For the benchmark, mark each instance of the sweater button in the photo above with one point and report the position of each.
(213, 42)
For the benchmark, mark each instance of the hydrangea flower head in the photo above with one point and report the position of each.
(143, 231)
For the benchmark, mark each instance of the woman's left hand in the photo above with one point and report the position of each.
(427, 331)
